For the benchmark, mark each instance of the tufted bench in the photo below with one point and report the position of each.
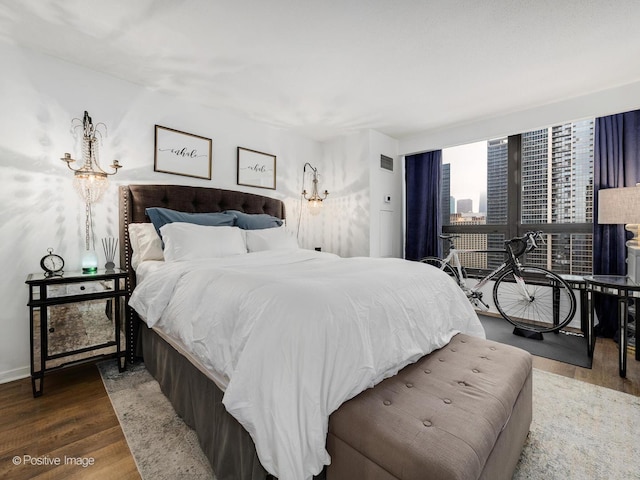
(461, 412)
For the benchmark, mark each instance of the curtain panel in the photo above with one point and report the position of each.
(616, 164)
(423, 179)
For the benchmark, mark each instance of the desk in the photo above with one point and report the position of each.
(624, 289)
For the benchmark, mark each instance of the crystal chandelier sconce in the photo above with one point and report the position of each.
(314, 198)
(89, 180)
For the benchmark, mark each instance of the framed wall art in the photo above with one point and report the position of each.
(182, 153)
(256, 169)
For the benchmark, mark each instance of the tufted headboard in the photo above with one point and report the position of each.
(134, 199)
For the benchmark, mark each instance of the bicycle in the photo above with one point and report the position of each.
(533, 299)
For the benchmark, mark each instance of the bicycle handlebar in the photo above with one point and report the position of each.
(530, 239)
(533, 236)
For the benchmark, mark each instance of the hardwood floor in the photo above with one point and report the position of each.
(74, 418)
(604, 371)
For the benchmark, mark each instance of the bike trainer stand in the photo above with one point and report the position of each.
(522, 332)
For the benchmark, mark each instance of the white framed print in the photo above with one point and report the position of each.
(182, 153)
(256, 169)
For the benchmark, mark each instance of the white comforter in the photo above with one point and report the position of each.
(299, 332)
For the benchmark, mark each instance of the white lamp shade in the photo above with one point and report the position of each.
(619, 205)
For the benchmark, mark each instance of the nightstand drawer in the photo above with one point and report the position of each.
(81, 288)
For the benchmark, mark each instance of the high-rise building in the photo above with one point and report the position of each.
(482, 207)
(557, 187)
(445, 194)
(572, 195)
(582, 141)
(497, 178)
(535, 177)
(497, 181)
(464, 205)
(471, 241)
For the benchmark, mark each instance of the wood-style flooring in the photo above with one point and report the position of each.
(604, 371)
(74, 418)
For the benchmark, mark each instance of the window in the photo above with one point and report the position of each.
(538, 180)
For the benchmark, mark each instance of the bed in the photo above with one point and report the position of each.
(223, 391)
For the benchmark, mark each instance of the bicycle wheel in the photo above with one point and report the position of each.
(549, 307)
(445, 267)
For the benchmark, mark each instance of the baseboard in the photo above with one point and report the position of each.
(16, 374)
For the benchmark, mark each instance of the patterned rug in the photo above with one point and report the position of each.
(162, 445)
(579, 431)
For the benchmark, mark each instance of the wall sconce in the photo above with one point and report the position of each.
(315, 200)
(90, 181)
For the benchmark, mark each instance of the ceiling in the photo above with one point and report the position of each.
(328, 67)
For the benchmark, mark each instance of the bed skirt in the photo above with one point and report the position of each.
(198, 401)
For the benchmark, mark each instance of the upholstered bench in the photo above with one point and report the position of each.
(461, 412)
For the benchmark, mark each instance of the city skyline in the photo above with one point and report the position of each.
(556, 182)
(472, 160)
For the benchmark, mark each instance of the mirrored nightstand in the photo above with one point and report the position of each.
(75, 318)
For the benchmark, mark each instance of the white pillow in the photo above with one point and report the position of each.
(188, 241)
(145, 243)
(269, 239)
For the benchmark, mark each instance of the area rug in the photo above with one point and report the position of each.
(163, 446)
(579, 431)
(562, 347)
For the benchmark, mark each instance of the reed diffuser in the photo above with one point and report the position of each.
(110, 244)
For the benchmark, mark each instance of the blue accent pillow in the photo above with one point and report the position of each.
(162, 216)
(254, 221)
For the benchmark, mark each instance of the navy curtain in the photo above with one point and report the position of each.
(423, 179)
(616, 164)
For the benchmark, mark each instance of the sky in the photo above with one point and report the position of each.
(468, 171)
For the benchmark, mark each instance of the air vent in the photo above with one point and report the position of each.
(386, 163)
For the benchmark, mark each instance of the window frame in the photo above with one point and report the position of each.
(514, 227)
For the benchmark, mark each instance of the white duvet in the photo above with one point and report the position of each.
(299, 332)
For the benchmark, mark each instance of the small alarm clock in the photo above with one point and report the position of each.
(52, 264)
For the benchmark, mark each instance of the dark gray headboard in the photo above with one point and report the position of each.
(134, 199)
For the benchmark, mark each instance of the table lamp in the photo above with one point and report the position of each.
(622, 206)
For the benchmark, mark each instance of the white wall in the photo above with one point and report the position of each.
(386, 238)
(350, 223)
(40, 96)
(343, 225)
